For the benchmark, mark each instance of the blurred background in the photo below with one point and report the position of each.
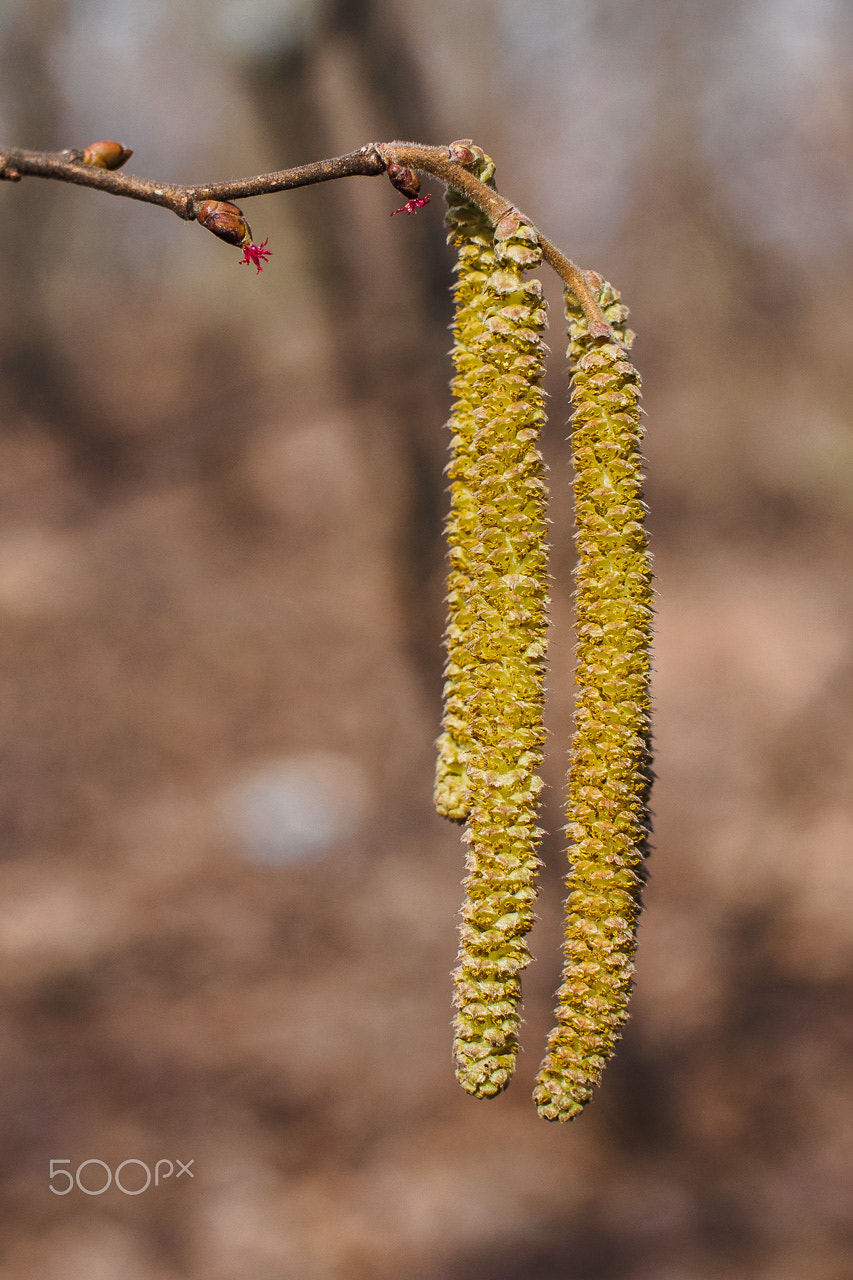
(227, 911)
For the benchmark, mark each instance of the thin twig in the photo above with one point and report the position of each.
(369, 161)
(439, 163)
(67, 166)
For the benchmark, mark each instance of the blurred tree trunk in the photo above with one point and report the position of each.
(31, 354)
(385, 309)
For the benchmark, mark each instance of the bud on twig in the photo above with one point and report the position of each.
(228, 222)
(106, 154)
(404, 179)
(408, 184)
(462, 152)
(225, 220)
(470, 156)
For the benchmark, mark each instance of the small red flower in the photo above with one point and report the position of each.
(256, 254)
(411, 205)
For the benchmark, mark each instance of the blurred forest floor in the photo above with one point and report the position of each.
(227, 911)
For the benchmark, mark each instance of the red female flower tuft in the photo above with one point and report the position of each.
(411, 205)
(257, 254)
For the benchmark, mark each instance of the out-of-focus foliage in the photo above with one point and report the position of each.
(221, 500)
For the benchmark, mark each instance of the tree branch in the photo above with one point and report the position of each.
(439, 163)
(369, 161)
(68, 166)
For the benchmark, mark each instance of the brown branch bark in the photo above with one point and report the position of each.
(369, 161)
(438, 162)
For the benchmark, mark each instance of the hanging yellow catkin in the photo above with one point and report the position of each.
(609, 774)
(500, 646)
(473, 235)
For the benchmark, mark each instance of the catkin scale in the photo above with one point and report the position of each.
(609, 774)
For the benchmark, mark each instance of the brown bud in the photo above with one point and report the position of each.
(405, 180)
(462, 152)
(226, 221)
(106, 155)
